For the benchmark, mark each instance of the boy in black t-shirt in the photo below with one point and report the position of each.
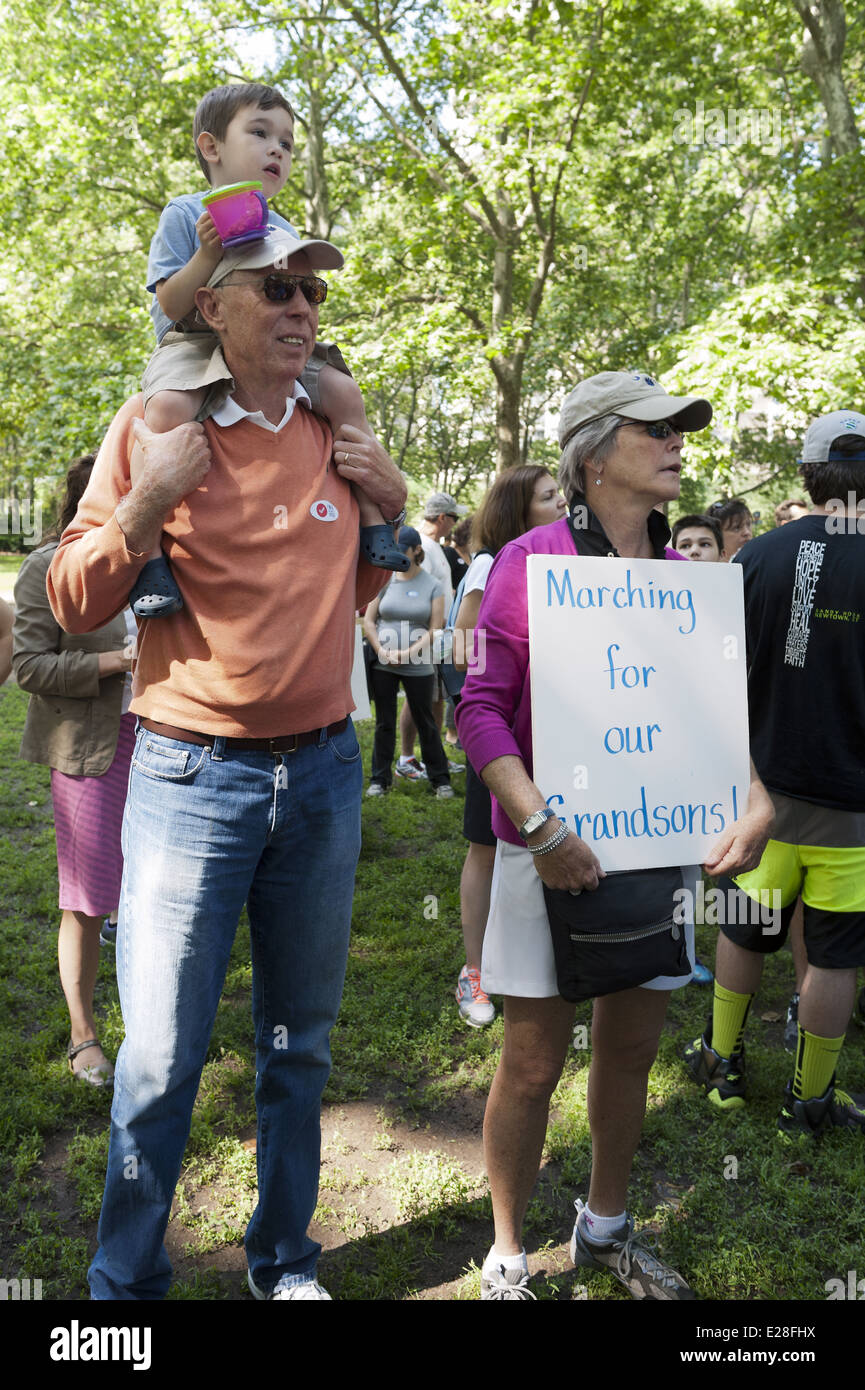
(805, 626)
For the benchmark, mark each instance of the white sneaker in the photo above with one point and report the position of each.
(502, 1284)
(375, 789)
(309, 1289)
(444, 792)
(475, 1006)
(411, 768)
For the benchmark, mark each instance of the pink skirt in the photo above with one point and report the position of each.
(88, 812)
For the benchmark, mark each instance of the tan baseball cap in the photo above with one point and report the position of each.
(274, 250)
(634, 394)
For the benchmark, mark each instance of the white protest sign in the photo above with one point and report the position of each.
(359, 692)
(639, 703)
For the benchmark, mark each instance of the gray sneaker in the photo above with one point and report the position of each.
(289, 1288)
(497, 1282)
(630, 1258)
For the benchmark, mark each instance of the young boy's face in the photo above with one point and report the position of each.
(698, 543)
(258, 144)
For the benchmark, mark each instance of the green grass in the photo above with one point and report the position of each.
(9, 567)
(401, 1211)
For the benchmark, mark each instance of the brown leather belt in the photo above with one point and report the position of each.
(285, 743)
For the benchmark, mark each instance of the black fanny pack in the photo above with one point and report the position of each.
(621, 935)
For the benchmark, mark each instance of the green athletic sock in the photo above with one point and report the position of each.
(815, 1064)
(729, 1014)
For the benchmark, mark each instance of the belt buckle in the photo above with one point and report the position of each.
(283, 750)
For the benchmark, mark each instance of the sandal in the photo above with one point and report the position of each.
(155, 593)
(97, 1075)
(377, 546)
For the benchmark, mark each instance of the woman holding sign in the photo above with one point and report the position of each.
(559, 929)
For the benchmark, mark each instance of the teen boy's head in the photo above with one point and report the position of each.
(242, 132)
(698, 537)
(833, 458)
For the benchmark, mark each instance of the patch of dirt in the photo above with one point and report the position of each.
(360, 1142)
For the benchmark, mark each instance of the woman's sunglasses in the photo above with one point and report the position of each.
(279, 289)
(657, 429)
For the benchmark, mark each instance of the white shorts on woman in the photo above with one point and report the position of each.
(518, 948)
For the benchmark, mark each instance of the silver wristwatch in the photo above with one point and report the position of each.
(399, 519)
(535, 821)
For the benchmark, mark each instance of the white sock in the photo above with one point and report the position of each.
(600, 1228)
(494, 1260)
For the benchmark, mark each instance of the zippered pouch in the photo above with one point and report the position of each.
(621, 935)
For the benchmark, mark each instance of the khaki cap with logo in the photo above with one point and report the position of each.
(274, 250)
(634, 394)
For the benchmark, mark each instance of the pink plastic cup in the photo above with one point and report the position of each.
(239, 211)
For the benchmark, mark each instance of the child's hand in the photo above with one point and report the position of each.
(209, 239)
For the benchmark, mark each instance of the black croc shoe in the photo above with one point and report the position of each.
(155, 594)
(377, 546)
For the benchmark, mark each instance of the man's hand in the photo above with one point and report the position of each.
(360, 459)
(168, 467)
(572, 866)
(741, 846)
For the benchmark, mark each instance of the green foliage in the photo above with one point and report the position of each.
(513, 186)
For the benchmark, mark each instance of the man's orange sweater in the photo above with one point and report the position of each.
(264, 643)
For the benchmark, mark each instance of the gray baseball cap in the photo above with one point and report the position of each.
(634, 394)
(274, 250)
(441, 502)
(820, 436)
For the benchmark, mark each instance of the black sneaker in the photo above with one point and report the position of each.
(834, 1109)
(791, 1027)
(631, 1259)
(723, 1078)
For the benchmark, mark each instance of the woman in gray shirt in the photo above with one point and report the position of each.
(399, 625)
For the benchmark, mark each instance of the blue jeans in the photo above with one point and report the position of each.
(205, 831)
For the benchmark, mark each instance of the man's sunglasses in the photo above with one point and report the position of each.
(657, 429)
(279, 289)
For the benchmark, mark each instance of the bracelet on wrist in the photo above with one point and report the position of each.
(552, 842)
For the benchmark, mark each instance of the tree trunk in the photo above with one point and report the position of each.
(507, 365)
(316, 191)
(823, 50)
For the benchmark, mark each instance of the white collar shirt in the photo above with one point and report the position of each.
(230, 412)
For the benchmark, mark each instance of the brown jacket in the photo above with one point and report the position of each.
(73, 718)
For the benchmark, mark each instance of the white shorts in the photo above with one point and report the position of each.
(518, 948)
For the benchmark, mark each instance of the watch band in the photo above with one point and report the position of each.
(535, 821)
(398, 520)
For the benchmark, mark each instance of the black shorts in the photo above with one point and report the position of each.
(833, 940)
(477, 814)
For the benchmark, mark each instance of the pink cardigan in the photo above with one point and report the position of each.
(494, 716)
